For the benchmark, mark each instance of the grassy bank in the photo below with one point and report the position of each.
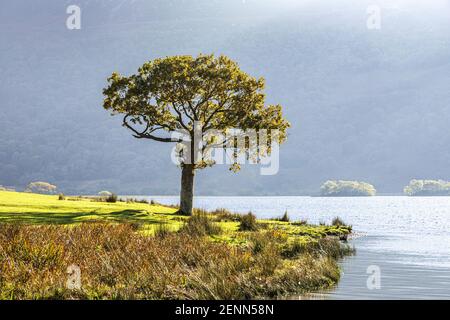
(144, 251)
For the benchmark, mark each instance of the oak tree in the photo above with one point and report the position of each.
(190, 94)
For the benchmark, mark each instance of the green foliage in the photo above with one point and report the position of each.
(104, 194)
(301, 222)
(222, 214)
(338, 222)
(131, 200)
(112, 198)
(342, 188)
(294, 248)
(170, 94)
(41, 187)
(285, 217)
(427, 188)
(248, 222)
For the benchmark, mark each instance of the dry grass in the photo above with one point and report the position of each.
(248, 222)
(117, 262)
(200, 224)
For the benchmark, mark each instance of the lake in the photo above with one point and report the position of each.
(407, 239)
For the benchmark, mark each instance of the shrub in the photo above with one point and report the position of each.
(337, 222)
(162, 231)
(61, 196)
(135, 200)
(342, 188)
(285, 217)
(41, 188)
(222, 214)
(112, 198)
(301, 222)
(293, 249)
(331, 248)
(104, 194)
(199, 224)
(427, 188)
(248, 222)
(11, 189)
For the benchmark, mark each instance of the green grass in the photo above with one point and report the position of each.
(170, 256)
(29, 208)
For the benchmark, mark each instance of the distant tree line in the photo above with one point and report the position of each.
(331, 188)
(416, 187)
(41, 187)
(427, 188)
(342, 188)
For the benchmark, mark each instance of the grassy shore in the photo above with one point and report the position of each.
(129, 250)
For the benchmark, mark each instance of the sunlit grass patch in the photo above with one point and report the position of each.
(134, 250)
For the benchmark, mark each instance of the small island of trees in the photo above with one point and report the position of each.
(341, 188)
(427, 188)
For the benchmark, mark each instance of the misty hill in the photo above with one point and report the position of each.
(369, 105)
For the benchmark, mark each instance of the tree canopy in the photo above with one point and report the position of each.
(333, 188)
(418, 187)
(191, 95)
(41, 187)
(170, 94)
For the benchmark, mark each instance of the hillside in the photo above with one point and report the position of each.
(364, 105)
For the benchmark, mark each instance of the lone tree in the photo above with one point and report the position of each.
(187, 94)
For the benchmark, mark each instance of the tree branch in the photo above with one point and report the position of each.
(144, 134)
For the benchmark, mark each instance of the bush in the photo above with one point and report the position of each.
(427, 188)
(162, 231)
(41, 188)
(222, 214)
(135, 200)
(112, 198)
(61, 196)
(301, 222)
(285, 217)
(344, 188)
(199, 224)
(248, 222)
(293, 249)
(10, 189)
(337, 222)
(104, 194)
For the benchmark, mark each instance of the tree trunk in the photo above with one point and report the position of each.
(187, 189)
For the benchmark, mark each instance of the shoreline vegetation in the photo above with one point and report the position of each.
(140, 250)
(343, 188)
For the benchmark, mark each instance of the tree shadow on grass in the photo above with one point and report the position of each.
(124, 216)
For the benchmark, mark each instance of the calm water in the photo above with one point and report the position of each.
(407, 238)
